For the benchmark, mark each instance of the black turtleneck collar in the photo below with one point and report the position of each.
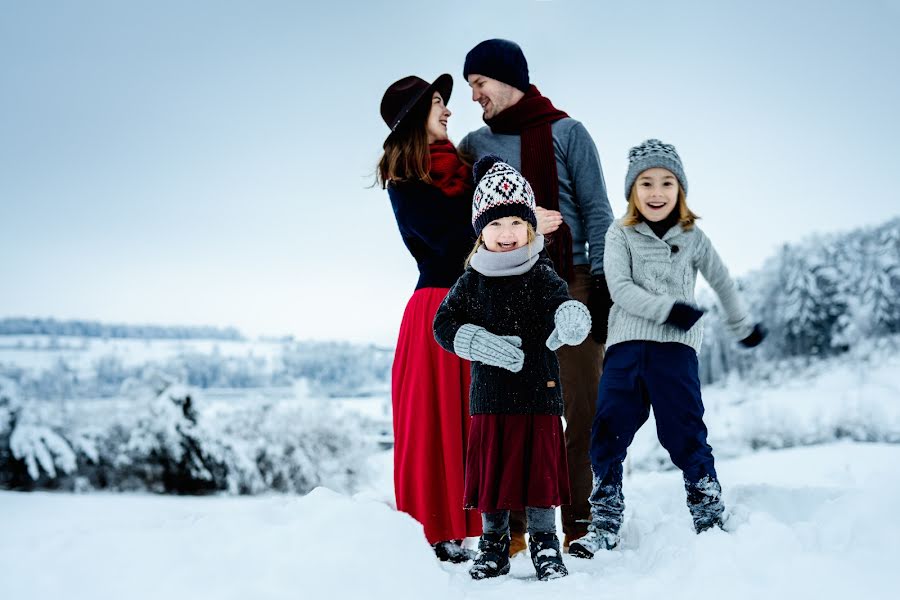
(661, 227)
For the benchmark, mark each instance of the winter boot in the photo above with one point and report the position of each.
(595, 540)
(704, 499)
(516, 543)
(571, 537)
(546, 556)
(493, 556)
(607, 511)
(452, 551)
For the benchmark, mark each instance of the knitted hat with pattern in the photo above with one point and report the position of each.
(501, 192)
(650, 154)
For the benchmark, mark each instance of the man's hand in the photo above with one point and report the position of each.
(548, 221)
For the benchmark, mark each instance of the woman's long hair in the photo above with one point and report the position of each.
(406, 155)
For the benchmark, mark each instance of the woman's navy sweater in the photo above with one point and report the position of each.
(436, 229)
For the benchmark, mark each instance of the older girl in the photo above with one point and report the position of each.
(651, 262)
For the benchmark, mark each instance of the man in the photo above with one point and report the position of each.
(557, 156)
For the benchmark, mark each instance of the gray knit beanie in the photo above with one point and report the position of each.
(650, 154)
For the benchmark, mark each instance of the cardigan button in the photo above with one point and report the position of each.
(675, 249)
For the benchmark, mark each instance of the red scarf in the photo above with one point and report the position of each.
(447, 171)
(530, 118)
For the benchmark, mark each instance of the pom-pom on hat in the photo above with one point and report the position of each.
(650, 154)
(500, 191)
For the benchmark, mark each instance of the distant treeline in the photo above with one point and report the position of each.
(94, 329)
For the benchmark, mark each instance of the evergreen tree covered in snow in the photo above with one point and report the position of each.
(818, 298)
(30, 449)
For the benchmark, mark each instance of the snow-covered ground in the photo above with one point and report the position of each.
(817, 522)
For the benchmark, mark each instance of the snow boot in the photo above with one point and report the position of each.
(607, 512)
(493, 556)
(704, 500)
(546, 556)
(571, 537)
(516, 543)
(595, 540)
(452, 551)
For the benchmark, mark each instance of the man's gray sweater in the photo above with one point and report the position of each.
(647, 275)
(582, 190)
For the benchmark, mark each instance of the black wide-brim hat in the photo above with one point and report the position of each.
(405, 94)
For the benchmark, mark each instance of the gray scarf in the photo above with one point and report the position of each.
(504, 264)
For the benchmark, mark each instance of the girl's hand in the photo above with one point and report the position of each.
(573, 323)
(548, 221)
(684, 316)
(755, 338)
(478, 344)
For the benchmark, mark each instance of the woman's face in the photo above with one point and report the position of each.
(436, 125)
(657, 193)
(505, 234)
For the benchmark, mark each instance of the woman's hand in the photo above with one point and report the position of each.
(548, 221)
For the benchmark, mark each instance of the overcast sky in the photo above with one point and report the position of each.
(207, 162)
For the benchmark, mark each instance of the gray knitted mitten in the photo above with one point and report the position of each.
(573, 324)
(478, 344)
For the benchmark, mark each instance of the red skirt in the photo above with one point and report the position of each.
(430, 395)
(516, 461)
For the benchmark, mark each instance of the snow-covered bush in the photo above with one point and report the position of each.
(41, 449)
(162, 440)
(32, 452)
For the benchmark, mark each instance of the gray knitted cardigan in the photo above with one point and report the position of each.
(646, 275)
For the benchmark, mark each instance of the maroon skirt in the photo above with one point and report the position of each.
(514, 461)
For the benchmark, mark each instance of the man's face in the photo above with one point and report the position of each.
(493, 96)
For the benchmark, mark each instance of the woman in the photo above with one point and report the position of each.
(431, 193)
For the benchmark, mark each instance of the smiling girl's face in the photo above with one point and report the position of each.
(657, 193)
(505, 234)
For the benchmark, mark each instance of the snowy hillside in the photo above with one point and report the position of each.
(52, 367)
(806, 523)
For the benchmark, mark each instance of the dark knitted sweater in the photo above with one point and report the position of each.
(436, 229)
(522, 305)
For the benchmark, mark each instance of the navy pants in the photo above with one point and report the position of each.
(638, 375)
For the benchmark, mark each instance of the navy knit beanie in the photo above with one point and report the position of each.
(498, 59)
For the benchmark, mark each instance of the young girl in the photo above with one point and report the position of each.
(651, 261)
(507, 314)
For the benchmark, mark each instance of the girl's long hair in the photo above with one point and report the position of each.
(686, 217)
